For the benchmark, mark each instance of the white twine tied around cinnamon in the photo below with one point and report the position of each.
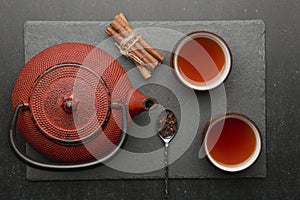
(126, 51)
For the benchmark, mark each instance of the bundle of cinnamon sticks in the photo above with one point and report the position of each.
(132, 45)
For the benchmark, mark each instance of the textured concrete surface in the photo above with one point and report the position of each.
(245, 90)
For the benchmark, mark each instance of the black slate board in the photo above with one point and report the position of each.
(244, 89)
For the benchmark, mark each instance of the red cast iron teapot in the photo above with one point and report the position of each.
(71, 104)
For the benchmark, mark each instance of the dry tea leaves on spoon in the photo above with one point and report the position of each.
(167, 124)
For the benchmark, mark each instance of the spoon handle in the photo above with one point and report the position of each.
(166, 172)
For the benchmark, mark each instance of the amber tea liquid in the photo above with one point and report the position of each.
(200, 60)
(231, 141)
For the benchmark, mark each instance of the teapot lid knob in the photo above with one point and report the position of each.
(69, 104)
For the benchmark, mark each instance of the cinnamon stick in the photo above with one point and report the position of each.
(137, 52)
(112, 32)
(124, 19)
(132, 45)
(152, 62)
(143, 70)
(125, 24)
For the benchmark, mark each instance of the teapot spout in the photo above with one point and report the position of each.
(138, 102)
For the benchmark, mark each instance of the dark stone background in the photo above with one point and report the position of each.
(282, 97)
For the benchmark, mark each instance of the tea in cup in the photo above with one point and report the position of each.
(202, 60)
(232, 142)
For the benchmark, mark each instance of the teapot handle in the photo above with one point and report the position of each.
(33, 162)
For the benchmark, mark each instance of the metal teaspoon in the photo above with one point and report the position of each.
(167, 129)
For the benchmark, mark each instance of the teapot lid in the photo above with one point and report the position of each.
(70, 103)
